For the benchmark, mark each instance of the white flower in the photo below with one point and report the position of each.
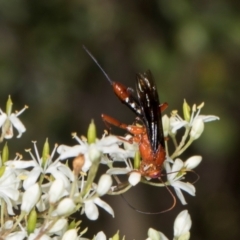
(107, 145)
(9, 120)
(176, 122)
(9, 185)
(174, 176)
(182, 225)
(55, 168)
(91, 209)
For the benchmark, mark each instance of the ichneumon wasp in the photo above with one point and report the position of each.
(149, 134)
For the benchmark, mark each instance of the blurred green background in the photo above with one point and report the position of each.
(192, 49)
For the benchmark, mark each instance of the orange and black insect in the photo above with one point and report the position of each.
(149, 135)
(147, 107)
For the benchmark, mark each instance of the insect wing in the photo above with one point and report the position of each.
(149, 103)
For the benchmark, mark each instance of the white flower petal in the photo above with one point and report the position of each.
(104, 205)
(187, 187)
(177, 125)
(66, 152)
(197, 128)
(180, 195)
(9, 204)
(116, 171)
(32, 177)
(63, 148)
(208, 118)
(87, 163)
(41, 204)
(109, 140)
(66, 171)
(17, 124)
(10, 192)
(19, 164)
(176, 167)
(91, 210)
(3, 118)
(58, 175)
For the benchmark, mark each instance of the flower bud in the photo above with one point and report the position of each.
(46, 152)
(104, 184)
(192, 162)
(197, 129)
(115, 236)
(56, 191)
(70, 234)
(182, 225)
(65, 207)
(137, 160)
(166, 125)
(32, 220)
(91, 210)
(30, 198)
(101, 236)
(134, 178)
(60, 225)
(92, 133)
(153, 234)
(9, 105)
(186, 111)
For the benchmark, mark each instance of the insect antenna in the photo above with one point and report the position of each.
(95, 60)
(154, 213)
